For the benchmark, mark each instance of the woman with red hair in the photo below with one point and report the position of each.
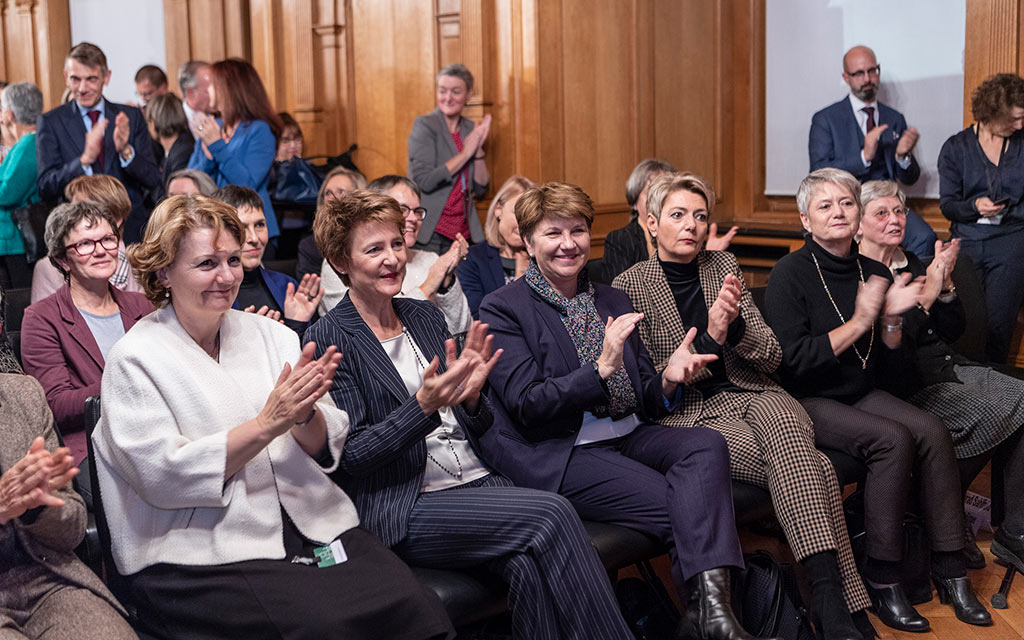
(239, 147)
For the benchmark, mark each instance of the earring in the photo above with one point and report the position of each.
(654, 234)
(167, 293)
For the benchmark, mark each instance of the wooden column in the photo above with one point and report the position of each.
(35, 36)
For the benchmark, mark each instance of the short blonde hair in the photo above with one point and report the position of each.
(514, 186)
(668, 183)
(358, 181)
(336, 222)
(104, 190)
(171, 221)
(814, 180)
(555, 199)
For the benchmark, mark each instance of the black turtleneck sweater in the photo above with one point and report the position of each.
(255, 293)
(800, 312)
(684, 281)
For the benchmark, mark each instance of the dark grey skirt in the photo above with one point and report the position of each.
(980, 413)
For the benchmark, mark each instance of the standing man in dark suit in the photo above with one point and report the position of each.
(90, 135)
(871, 140)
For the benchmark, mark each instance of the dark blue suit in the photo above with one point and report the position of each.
(836, 141)
(479, 274)
(670, 483)
(558, 588)
(60, 141)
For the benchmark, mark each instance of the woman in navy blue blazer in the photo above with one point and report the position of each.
(573, 397)
(493, 264)
(410, 462)
(241, 147)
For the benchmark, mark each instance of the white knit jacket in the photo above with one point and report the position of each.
(161, 448)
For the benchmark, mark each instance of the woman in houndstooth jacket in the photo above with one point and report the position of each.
(770, 436)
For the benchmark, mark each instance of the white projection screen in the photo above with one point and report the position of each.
(920, 46)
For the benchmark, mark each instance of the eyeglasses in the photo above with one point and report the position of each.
(871, 71)
(899, 212)
(88, 247)
(419, 211)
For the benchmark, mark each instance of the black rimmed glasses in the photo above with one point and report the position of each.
(419, 211)
(88, 247)
(870, 71)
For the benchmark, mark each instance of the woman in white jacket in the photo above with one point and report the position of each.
(213, 452)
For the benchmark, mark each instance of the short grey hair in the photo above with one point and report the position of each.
(64, 218)
(641, 176)
(25, 101)
(204, 183)
(388, 182)
(457, 70)
(875, 189)
(814, 180)
(188, 73)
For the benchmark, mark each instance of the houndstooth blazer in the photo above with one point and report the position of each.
(747, 364)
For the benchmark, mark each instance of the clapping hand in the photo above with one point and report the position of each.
(907, 142)
(868, 304)
(940, 271)
(719, 243)
(273, 314)
(478, 136)
(902, 295)
(725, 308)
(94, 142)
(208, 130)
(30, 483)
(871, 139)
(683, 364)
(442, 272)
(465, 373)
(615, 333)
(300, 302)
(297, 390)
(122, 132)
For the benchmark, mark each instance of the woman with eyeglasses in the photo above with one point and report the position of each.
(428, 276)
(981, 192)
(65, 337)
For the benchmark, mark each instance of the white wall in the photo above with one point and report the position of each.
(131, 34)
(920, 45)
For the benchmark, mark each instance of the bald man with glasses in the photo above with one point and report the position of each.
(871, 140)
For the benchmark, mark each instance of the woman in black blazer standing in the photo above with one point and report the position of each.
(410, 462)
(446, 159)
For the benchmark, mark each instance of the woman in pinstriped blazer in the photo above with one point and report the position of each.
(410, 462)
(770, 436)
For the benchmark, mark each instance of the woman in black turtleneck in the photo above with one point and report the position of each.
(268, 293)
(770, 436)
(837, 316)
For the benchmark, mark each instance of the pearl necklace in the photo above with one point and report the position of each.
(448, 434)
(863, 359)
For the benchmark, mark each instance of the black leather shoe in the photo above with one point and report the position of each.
(972, 554)
(894, 610)
(1009, 548)
(709, 614)
(960, 593)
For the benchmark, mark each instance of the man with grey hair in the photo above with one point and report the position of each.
(194, 80)
(20, 106)
(89, 135)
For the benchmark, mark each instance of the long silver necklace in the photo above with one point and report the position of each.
(448, 434)
(863, 359)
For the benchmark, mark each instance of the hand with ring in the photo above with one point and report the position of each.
(300, 302)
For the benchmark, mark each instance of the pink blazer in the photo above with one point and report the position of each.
(58, 350)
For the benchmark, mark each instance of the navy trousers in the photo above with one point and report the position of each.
(670, 483)
(998, 261)
(533, 539)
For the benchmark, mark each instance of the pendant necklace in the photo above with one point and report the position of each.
(448, 434)
(863, 359)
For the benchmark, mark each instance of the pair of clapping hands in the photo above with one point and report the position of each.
(300, 302)
(34, 479)
(94, 138)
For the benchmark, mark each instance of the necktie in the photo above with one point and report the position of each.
(94, 115)
(871, 117)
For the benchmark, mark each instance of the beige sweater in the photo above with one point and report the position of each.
(161, 447)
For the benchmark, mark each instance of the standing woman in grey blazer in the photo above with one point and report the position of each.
(446, 160)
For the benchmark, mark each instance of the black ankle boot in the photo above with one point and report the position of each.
(828, 606)
(709, 614)
(960, 593)
(972, 554)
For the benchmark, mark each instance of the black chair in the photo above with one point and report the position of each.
(17, 301)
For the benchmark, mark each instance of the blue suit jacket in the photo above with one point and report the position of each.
(539, 390)
(836, 141)
(479, 274)
(245, 160)
(60, 140)
(382, 464)
(278, 285)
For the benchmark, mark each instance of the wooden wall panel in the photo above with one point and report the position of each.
(35, 36)
(992, 44)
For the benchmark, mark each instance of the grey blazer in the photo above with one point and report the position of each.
(430, 146)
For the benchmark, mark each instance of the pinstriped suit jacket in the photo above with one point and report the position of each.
(382, 464)
(747, 365)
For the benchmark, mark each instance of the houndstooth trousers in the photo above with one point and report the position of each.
(771, 445)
